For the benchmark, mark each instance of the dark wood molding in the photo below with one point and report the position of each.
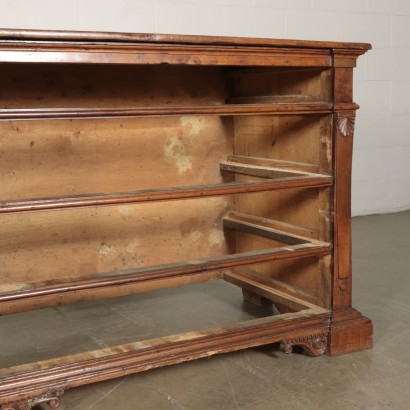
(166, 194)
(220, 110)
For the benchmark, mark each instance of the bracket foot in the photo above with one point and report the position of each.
(314, 345)
(52, 399)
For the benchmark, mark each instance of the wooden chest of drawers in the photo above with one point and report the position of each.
(133, 162)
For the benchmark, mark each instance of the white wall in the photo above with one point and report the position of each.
(381, 163)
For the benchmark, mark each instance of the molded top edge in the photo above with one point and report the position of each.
(102, 36)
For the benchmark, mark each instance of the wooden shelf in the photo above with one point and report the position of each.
(275, 163)
(267, 228)
(156, 273)
(284, 179)
(265, 171)
(223, 110)
(296, 246)
(267, 291)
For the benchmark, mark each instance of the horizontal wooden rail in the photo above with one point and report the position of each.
(265, 171)
(274, 163)
(57, 375)
(127, 277)
(264, 289)
(265, 227)
(163, 194)
(279, 285)
(224, 110)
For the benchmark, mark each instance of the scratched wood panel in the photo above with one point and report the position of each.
(65, 85)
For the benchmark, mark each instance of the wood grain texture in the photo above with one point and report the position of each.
(255, 135)
(350, 332)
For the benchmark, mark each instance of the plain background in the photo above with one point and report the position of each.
(381, 161)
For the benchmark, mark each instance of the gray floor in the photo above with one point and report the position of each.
(254, 379)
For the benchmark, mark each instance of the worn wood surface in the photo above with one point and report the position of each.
(254, 134)
(71, 371)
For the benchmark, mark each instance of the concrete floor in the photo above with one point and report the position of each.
(255, 379)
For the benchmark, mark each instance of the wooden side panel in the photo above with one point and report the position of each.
(304, 139)
(292, 138)
(301, 273)
(296, 85)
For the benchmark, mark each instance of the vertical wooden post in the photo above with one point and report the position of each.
(349, 329)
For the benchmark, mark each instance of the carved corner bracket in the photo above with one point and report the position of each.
(52, 399)
(345, 125)
(314, 345)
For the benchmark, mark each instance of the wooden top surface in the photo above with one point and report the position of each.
(104, 37)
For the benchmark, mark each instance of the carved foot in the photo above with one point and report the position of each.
(52, 399)
(314, 345)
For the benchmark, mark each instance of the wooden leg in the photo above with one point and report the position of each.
(255, 299)
(283, 309)
(314, 345)
(258, 300)
(350, 331)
